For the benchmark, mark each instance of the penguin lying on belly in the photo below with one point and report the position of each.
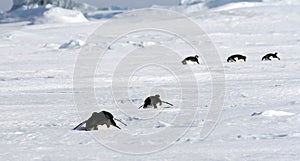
(237, 58)
(153, 101)
(99, 119)
(270, 57)
(190, 60)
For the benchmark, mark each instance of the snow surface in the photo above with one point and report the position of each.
(271, 113)
(198, 5)
(38, 110)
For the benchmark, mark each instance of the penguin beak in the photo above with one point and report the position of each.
(117, 127)
(113, 123)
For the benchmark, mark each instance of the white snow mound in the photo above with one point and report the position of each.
(271, 113)
(142, 43)
(67, 4)
(72, 44)
(161, 124)
(60, 15)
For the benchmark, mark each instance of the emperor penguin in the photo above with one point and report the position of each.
(97, 119)
(153, 101)
(270, 57)
(236, 58)
(190, 60)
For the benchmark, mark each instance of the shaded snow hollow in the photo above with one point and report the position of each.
(72, 44)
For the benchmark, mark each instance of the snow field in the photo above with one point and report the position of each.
(38, 110)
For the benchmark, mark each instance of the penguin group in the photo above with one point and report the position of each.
(232, 58)
(106, 118)
(242, 58)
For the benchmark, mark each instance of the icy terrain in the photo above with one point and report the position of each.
(68, 4)
(261, 113)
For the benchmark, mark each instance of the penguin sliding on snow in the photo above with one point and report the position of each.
(153, 101)
(270, 57)
(190, 60)
(236, 58)
(100, 118)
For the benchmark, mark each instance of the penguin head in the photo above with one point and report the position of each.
(108, 115)
(113, 123)
(196, 56)
(157, 95)
(110, 120)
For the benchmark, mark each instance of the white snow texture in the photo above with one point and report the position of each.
(39, 46)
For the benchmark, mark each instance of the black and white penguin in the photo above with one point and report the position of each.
(153, 101)
(190, 60)
(236, 58)
(270, 57)
(99, 119)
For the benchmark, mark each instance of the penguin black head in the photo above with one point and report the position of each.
(114, 123)
(108, 115)
(196, 56)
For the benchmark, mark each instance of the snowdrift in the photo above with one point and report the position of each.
(213, 3)
(67, 4)
(217, 3)
(60, 15)
(197, 5)
(45, 14)
(55, 11)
